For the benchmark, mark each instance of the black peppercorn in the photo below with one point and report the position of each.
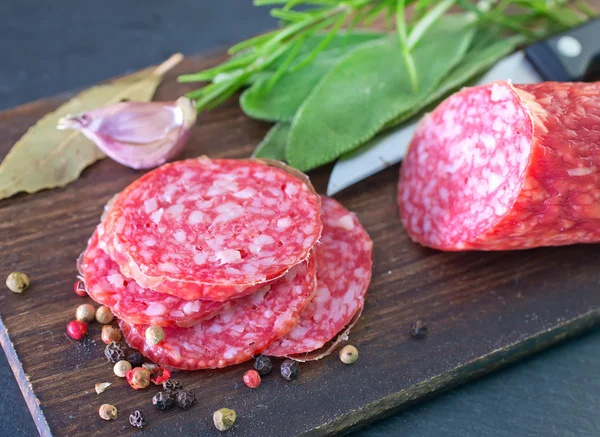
(163, 400)
(290, 369)
(135, 358)
(263, 365)
(115, 352)
(185, 399)
(172, 386)
(418, 330)
(137, 419)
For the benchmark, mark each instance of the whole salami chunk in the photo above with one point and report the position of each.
(504, 166)
(137, 305)
(234, 336)
(212, 229)
(344, 262)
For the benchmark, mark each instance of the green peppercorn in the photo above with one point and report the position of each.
(154, 335)
(121, 368)
(349, 354)
(17, 282)
(224, 419)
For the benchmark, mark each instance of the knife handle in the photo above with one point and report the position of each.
(571, 56)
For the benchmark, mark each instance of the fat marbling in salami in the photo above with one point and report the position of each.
(137, 305)
(213, 229)
(505, 166)
(344, 262)
(237, 335)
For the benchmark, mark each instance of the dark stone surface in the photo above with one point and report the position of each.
(47, 48)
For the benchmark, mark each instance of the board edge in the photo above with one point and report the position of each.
(32, 401)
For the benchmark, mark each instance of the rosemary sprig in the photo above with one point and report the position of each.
(252, 58)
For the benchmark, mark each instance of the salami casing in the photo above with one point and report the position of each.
(234, 336)
(344, 263)
(505, 166)
(212, 229)
(137, 305)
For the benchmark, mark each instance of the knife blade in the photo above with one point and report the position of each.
(572, 55)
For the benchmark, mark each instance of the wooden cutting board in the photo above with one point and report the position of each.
(483, 310)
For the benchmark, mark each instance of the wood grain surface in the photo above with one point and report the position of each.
(483, 310)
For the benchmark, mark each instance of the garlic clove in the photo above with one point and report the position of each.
(137, 134)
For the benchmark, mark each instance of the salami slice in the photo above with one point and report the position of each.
(237, 335)
(212, 229)
(134, 304)
(504, 166)
(344, 262)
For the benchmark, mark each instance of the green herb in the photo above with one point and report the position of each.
(339, 95)
(280, 101)
(359, 96)
(273, 146)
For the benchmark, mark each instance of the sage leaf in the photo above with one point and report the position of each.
(46, 157)
(281, 101)
(370, 87)
(476, 61)
(273, 145)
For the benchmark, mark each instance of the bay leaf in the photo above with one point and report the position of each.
(370, 87)
(46, 157)
(273, 145)
(282, 100)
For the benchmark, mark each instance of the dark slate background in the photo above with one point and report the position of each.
(50, 47)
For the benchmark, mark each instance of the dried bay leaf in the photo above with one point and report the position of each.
(281, 101)
(48, 158)
(369, 88)
(273, 145)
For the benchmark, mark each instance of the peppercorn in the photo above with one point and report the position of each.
(79, 288)
(137, 419)
(76, 329)
(418, 330)
(101, 386)
(263, 365)
(349, 354)
(135, 358)
(163, 401)
(224, 419)
(290, 369)
(110, 333)
(85, 313)
(121, 368)
(185, 399)
(108, 412)
(104, 315)
(154, 335)
(160, 375)
(172, 386)
(115, 351)
(138, 378)
(17, 282)
(251, 378)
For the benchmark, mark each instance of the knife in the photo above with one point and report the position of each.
(570, 56)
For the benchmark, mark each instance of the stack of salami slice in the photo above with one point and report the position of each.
(233, 258)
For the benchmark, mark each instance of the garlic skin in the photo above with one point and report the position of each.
(137, 134)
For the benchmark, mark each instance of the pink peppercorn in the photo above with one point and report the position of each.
(77, 329)
(79, 288)
(251, 378)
